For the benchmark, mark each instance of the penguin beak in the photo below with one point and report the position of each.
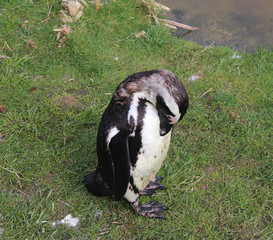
(173, 120)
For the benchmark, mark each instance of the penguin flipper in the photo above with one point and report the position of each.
(119, 149)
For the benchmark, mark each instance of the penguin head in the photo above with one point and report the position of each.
(162, 89)
(170, 111)
(171, 100)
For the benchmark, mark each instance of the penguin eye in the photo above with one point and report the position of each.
(169, 117)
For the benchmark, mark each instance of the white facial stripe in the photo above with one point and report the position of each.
(158, 88)
(171, 104)
(113, 132)
(133, 109)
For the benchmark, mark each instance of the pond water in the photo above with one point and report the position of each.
(241, 24)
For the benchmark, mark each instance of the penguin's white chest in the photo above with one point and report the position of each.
(153, 151)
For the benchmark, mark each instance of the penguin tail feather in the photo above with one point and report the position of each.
(95, 184)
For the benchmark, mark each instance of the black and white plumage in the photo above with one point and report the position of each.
(134, 137)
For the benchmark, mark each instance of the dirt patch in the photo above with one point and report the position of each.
(246, 164)
(211, 169)
(2, 137)
(30, 191)
(61, 209)
(69, 101)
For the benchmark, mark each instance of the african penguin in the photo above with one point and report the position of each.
(134, 136)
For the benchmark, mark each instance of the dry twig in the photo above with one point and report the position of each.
(18, 177)
(3, 56)
(97, 5)
(170, 26)
(139, 34)
(202, 95)
(64, 30)
(153, 8)
(20, 191)
(49, 10)
(178, 24)
(209, 46)
(31, 43)
(6, 44)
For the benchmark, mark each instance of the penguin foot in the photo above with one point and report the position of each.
(152, 187)
(150, 209)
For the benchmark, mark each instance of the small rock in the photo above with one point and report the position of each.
(68, 220)
(139, 34)
(235, 56)
(97, 214)
(193, 78)
(2, 109)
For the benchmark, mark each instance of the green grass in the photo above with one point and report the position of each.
(218, 172)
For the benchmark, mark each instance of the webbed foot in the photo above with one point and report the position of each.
(150, 209)
(152, 187)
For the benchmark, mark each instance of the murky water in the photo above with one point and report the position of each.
(241, 24)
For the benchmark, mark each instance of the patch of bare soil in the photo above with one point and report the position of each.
(69, 101)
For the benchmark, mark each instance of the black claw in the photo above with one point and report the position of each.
(152, 187)
(158, 179)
